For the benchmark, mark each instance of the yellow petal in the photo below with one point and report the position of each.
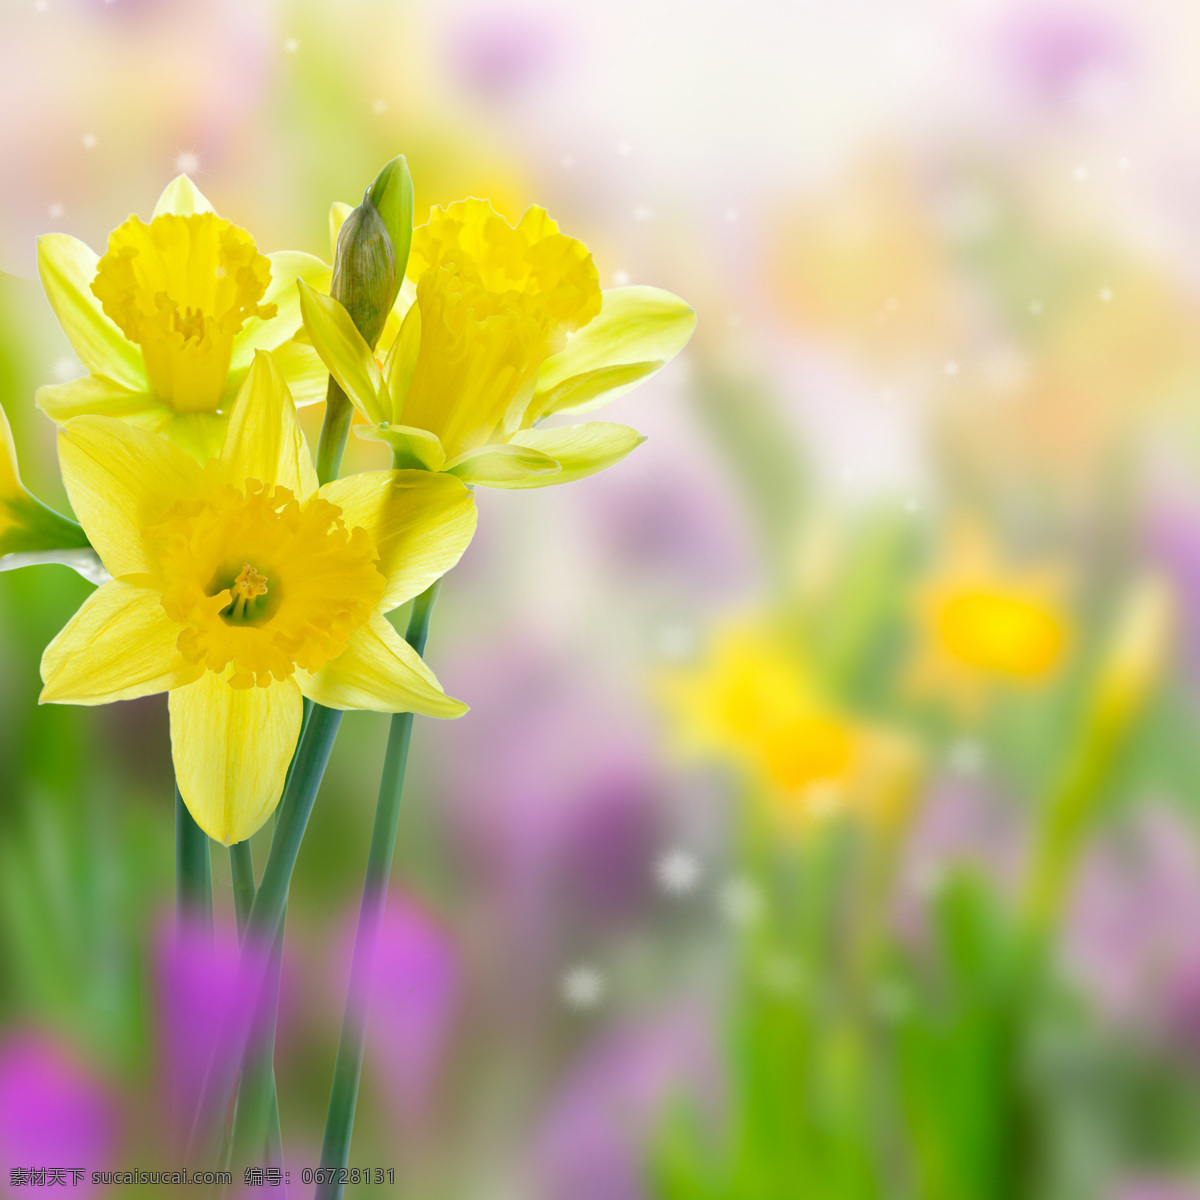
(67, 267)
(231, 748)
(264, 440)
(303, 371)
(287, 266)
(380, 671)
(27, 527)
(102, 396)
(492, 465)
(120, 480)
(415, 449)
(338, 212)
(402, 360)
(119, 645)
(345, 352)
(581, 450)
(420, 524)
(183, 198)
(11, 487)
(638, 331)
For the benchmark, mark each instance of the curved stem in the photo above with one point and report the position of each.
(334, 430)
(241, 867)
(343, 1096)
(193, 878)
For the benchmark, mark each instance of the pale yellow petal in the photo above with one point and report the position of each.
(287, 266)
(306, 375)
(182, 198)
(580, 450)
(199, 433)
(420, 523)
(338, 212)
(345, 352)
(118, 646)
(120, 480)
(502, 464)
(638, 331)
(67, 267)
(232, 747)
(102, 396)
(264, 440)
(380, 671)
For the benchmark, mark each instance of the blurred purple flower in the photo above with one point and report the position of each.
(669, 527)
(599, 1123)
(198, 991)
(53, 1111)
(1132, 936)
(962, 824)
(551, 788)
(1062, 55)
(500, 53)
(413, 1003)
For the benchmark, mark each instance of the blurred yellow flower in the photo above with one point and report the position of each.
(752, 701)
(168, 320)
(241, 587)
(981, 622)
(507, 326)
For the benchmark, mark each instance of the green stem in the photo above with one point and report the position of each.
(256, 1132)
(193, 881)
(334, 430)
(343, 1096)
(266, 916)
(241, 867)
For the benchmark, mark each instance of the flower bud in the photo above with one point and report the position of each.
(365, 279)
(372, 250)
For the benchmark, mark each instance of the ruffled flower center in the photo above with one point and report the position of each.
(495, 301)
(182, 288)
(265, 583)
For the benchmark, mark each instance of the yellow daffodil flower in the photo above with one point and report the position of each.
(983, 623)
(507, 326)
(241, 587)
(27, 526)
(751, 701)
(168, 320)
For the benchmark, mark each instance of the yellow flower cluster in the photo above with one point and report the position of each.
(239, 584)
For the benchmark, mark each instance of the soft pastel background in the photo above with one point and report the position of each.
(827, 822)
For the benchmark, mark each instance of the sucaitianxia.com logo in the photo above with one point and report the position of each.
(20, 1177)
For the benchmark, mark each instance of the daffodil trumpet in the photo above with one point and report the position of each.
(508, 327)
(168, 320)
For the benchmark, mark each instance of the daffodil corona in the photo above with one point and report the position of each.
(507, 326)
(240, 587)
(167, 321)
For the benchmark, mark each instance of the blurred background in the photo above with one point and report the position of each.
(826, 823)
